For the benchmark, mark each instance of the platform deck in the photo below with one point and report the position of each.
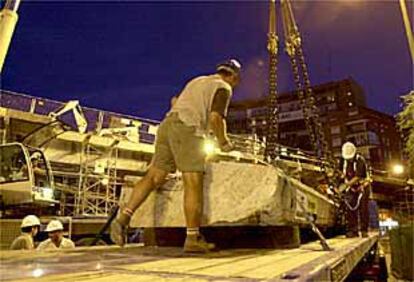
(139, 263)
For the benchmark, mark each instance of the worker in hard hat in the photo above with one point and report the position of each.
(29, 227)
(200, 108)
(56, 240)
(356, 177)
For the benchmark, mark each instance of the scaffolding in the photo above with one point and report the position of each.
(89, 186)
(98, 183)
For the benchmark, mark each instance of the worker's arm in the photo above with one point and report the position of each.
(361, 172)
(38, 170)
(217, 122)
(218, 126)
(353, 181)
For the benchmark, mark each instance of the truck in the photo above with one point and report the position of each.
(300, 263)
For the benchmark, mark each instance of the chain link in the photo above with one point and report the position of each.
(304, 91)
(302, 101)
(272, 108)
(321, 144)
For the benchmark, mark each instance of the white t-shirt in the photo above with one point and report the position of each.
(194, 103)
(49, 245)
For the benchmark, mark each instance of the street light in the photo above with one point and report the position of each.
(397, 169)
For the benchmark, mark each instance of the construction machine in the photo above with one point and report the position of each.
(26, 177)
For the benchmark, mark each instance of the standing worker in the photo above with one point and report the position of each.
(29, 227)
(56, 240)
(356, 178)
(200, 108)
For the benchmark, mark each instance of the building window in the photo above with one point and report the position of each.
(332, 107)
(373, 138)
(385, 154)
(359, 139)
(335, 129)
(357, 127)
(336, 142)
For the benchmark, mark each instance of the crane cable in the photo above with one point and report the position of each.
(272, 109)
(293, 47)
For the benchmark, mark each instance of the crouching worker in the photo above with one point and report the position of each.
(29, 227)
(56, 240)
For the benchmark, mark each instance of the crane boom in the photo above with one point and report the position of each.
(8, 21)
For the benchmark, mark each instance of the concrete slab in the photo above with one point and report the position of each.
(237, 194)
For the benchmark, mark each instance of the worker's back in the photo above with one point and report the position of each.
(23, 242)
(194, 103)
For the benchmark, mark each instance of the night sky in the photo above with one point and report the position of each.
(132, 56)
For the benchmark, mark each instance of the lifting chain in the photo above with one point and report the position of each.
(302, 101)
(272, 108)
(305, 94)
(323, 144)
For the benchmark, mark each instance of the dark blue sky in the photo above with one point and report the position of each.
(132, 56)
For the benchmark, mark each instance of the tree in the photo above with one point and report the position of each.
(405, 121)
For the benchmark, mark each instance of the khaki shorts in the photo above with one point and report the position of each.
(177, 147)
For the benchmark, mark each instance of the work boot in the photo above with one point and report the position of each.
(364, 234)
(197, 244)
(117, 233)
(119, 226)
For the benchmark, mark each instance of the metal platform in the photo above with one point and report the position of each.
(139, 263)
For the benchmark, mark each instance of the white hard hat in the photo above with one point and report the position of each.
(30, 220)
(54, 225)
(232, 66)
(348, 150)
(35, 156)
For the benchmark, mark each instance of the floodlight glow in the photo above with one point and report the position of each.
(48, 193)
(105, 181)
(209, 147)
(397, 169)
(38, 272)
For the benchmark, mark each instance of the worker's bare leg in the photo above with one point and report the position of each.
(193, 209)
(154, 178)
(193, 198)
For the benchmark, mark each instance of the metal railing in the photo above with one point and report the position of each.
(97, 119)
